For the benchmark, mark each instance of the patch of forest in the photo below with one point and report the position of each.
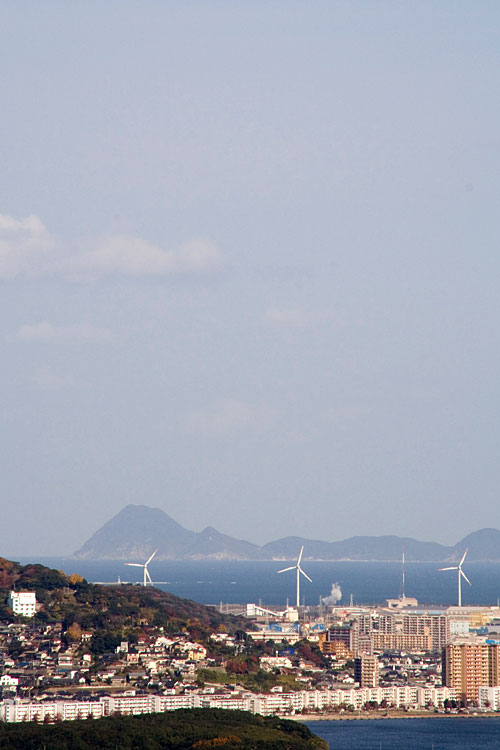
(107, 609)
(186, 729)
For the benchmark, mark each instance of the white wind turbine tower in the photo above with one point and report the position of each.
(299, 571)
(461, 575)
(145, 567)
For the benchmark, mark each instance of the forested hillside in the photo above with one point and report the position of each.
(106, 609)
(195, 729)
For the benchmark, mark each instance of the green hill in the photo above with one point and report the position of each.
(108, 610)
(186, 729)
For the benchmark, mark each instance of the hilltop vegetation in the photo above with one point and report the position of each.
(186, 729)
(107, 611)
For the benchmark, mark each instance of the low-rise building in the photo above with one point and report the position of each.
(7, 681)
(268, 663)
(489, 697)
(22, 603)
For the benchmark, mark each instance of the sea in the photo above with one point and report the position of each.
(441, 733)
(238, 582)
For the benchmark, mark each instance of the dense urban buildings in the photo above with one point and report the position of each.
(311, 659)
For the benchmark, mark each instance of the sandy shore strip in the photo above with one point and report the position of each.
(348, 716)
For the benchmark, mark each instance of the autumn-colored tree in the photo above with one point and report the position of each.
(74, 632)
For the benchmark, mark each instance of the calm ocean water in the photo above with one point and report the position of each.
(369, 583)
(410, 734)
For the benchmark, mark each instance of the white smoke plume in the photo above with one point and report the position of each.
(334, 596)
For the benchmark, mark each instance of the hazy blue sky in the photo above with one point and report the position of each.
(249, 267)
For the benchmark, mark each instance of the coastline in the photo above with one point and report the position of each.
(348, 716)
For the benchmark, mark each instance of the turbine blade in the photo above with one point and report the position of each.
(463, 558)
(455, 568)
(300, 556)
(135, 565)
(285, 569)
(154, 553)
(305, 574)
(464, 576)
(149, 577)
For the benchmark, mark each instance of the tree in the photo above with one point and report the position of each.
(74, 632)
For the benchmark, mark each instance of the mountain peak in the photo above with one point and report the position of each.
(210, 531)
(137, 530)
(134, 533)
(483, 544)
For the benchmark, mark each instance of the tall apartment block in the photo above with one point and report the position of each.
(470, 664)
(366, 670)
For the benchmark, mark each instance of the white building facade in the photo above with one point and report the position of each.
(489, 697)
(22, 603)
(266, 704)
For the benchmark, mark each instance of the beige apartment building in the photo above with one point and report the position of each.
(422, 631)
(469, 664)
(400, 642)
(366, 670)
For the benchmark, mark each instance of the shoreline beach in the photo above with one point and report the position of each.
(348, 716)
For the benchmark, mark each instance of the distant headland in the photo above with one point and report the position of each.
(137, 530)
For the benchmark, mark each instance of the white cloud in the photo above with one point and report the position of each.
(198, 256)
(47, 379)
(291, 317)
(122, 255)
(226, 417)
(25, 247)
(78, 332)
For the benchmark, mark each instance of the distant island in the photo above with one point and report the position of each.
(137, 530)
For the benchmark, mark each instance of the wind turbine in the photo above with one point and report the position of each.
(461, 575)
(145, 567)
(299, 571)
